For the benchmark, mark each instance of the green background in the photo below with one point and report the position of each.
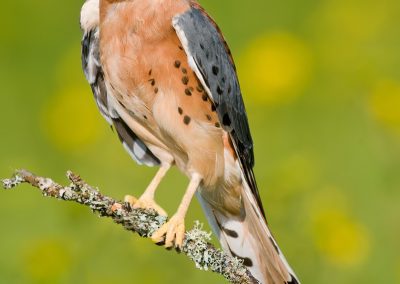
(321, 82)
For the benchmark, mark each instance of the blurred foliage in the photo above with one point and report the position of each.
(321, 82)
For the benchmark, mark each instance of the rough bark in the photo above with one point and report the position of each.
(196, 245)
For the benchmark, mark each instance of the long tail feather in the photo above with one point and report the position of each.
(248, 237)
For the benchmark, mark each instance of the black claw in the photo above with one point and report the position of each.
(128, 206)
(161, 243)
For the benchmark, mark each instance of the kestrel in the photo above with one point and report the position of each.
(164, 78)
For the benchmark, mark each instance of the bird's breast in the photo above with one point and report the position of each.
(136, 38)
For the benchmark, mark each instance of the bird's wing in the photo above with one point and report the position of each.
(93, 71)
(94, 74)
(211, 60)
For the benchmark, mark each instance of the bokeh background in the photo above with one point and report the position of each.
(321, 81)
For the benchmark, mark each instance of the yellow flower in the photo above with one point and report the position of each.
(385, 104)
(340, 238)
(337, 235)
(275, 68)
(71, 120)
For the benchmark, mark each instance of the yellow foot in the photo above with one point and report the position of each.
(145, 203)
(174, 231)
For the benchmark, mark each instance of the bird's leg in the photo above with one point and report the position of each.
(146, 200)
(174, 229)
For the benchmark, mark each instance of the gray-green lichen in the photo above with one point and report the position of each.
(10, 183)
(142, 221)
(206, 257)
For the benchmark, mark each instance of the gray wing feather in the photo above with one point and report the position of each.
(94, 74)
(93, 71)
(210, 58)
(207, 47)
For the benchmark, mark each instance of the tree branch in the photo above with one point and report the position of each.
(196, 245)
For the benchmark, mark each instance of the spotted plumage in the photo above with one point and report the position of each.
(185, 80)
(188, 92)
(163, 76)
(177, 64)
(186, 119)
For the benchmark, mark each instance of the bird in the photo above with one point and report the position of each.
(164, 78)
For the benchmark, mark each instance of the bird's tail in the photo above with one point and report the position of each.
(248, 237)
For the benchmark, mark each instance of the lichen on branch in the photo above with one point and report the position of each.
(145, 222)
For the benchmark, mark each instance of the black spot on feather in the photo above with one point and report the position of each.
(219, 90)
(188, 92)
(186, 119)
(215, 70)
(177, 63)
(185, 80)
(230, 233)
(246, 261)
(226, 120)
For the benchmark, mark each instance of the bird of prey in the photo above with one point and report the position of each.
(164, 78)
